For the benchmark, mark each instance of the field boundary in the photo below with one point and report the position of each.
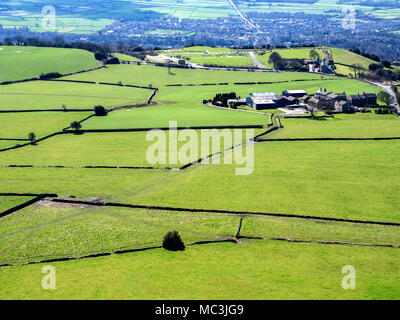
(4, 83)
(340, 243)
(327, 139)
(163, 129)
(68, 131)
(115, 252)
(232, 212)
(242, 83)
(25, 204)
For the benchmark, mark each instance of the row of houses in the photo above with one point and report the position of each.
(340, 102)
(322, 99)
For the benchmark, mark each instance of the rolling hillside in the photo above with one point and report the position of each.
(41, 60)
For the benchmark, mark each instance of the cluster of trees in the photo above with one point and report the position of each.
(379, 72)
(366, 55)
(221, 99)
(57, 42)
(102, 52)
(286, 64)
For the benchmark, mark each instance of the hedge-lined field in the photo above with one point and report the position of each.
(44, 95)
(19, 125)
(342, 179)
(368, 125)
(42, 60)
(256, 269)
(338, 179)
(145, 75)
(104, 149)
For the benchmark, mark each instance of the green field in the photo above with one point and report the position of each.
(44, 95)
(298, 53)
(7, 202)
(207, 56)
(18, 126)
(329, 179)
(42, 60)
(125, 57)
(145, 75)
(260, 270)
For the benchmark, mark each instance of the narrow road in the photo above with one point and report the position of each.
(257, 62)
(389, 90)
(252, 25)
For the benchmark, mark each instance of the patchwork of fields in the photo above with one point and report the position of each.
(338, 199)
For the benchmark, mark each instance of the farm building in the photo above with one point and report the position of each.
(270, 100)
(363, 100)
(236, 102)
(294, 93)
(261, 101)
(344, 106)
(326, 100)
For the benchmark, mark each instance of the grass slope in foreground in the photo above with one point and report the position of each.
(251, 270)
(42, 60)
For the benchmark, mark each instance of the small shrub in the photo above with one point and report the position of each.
(32, 137)
(51, 75)
(100, 111)
(173, 242)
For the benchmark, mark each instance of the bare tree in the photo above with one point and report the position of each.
(385, 98)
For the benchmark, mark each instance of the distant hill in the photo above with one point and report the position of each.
(41, 60)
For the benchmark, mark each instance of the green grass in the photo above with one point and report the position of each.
(158, 76)
(100, 149)
(185, 115)
(343, 179)
(57, 231)
(44, 95)
(342, 126)
(42, 60)
(125, 57)
(19, 125)
(214, 56)
(7, 202)
(349, 58)
(297, 53)
(354, 180)
(256, 270)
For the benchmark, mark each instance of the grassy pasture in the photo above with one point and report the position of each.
(345, 179)
(296, 53)
(56, 231)
(348, 58)
(214, 56)
(158, 76)
(7, 202)
(44, 95)
(42, 60)
(100, 149)
(186, 114)
(278, 271)
(342, 126)
(355, 180)
(125, 57)
(19, 125)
